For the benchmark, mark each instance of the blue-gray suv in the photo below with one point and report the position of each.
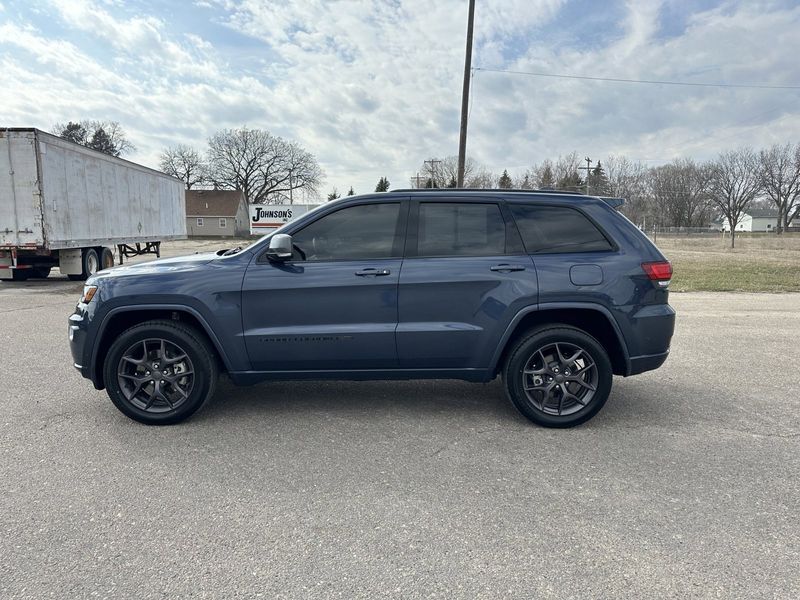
(554, 292)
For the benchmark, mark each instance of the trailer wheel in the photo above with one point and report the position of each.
(41, 272)
(90, 262)
(106, 258)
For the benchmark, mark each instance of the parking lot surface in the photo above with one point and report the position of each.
(686, 484)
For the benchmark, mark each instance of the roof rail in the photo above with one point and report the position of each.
(612, 202)
(502, 190)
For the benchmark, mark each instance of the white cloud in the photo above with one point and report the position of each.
(373, 88)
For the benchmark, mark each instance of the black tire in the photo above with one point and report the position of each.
(550, 390)
(106, 258)
(147, 345)
(21, 274)
(42, 272)
(91, 262)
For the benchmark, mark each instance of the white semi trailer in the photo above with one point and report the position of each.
(67, 206)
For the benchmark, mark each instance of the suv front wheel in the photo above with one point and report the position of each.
(558, 376)
(160, 372)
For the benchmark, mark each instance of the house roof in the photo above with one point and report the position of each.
(212, 203)
(762, 213)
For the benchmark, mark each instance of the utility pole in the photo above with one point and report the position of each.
(432, 162)
(416, 179)
(588, 168)
(462, 139)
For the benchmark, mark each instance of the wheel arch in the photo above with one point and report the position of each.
(125, 317)
(594, 319)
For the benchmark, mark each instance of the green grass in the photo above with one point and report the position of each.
(758, 264)
(722, 275)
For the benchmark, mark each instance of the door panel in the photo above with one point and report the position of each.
(321, 315)
(453, 310)
(334, 305)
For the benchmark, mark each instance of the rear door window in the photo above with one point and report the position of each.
(460, 229)
(557, 229)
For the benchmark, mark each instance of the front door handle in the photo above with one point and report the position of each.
(373, 272)
(507, 268)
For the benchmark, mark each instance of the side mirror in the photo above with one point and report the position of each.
(280, 247)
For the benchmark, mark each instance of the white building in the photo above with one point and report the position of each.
(755, 219)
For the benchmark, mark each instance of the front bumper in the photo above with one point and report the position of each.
(76, 332)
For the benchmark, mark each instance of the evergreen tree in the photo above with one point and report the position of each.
(351, 192)
(383, 185)
(102, 142)
(598, 181)
(505, 182)
(334, 195)
(452, 183)
(105, 136)
(75, 132)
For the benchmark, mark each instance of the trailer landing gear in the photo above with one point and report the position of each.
(126, 250)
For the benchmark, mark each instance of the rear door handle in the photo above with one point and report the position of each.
(507, 268)
(373, 272)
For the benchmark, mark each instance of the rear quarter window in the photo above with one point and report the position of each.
(557, 229)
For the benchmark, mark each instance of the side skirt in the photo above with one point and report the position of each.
(252, 377)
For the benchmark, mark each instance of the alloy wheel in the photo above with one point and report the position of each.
(155, 375)
(560, 378)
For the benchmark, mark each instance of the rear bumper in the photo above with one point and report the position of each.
(647, 362)
(651, 327)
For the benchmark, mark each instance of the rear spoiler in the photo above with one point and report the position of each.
(613, 202)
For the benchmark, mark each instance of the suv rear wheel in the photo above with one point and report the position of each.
(558, 376)
(160, 372)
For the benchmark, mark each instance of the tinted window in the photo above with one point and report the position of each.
(356, 233)
(447, 229)
(553, 229)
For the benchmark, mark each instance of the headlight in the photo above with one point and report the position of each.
(88, 293)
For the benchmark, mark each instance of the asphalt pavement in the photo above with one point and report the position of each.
(685, 485)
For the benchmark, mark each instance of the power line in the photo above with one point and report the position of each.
(644, 81)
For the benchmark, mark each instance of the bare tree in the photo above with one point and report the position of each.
(482, 178)
(680, 193)
(105, 136)
(734, 184)
(525, 181)
(266, 168)
(628, 180)
(543, 175)
(566, 173)
(184, 162)
(446, 171)
(779, 174)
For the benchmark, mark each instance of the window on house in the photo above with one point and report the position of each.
(199, 221)
(223, 223)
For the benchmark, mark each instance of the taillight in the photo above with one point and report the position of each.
(660, 272)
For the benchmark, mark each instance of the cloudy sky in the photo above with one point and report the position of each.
(373, 88)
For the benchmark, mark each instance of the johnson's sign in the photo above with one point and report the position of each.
(269, 216)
